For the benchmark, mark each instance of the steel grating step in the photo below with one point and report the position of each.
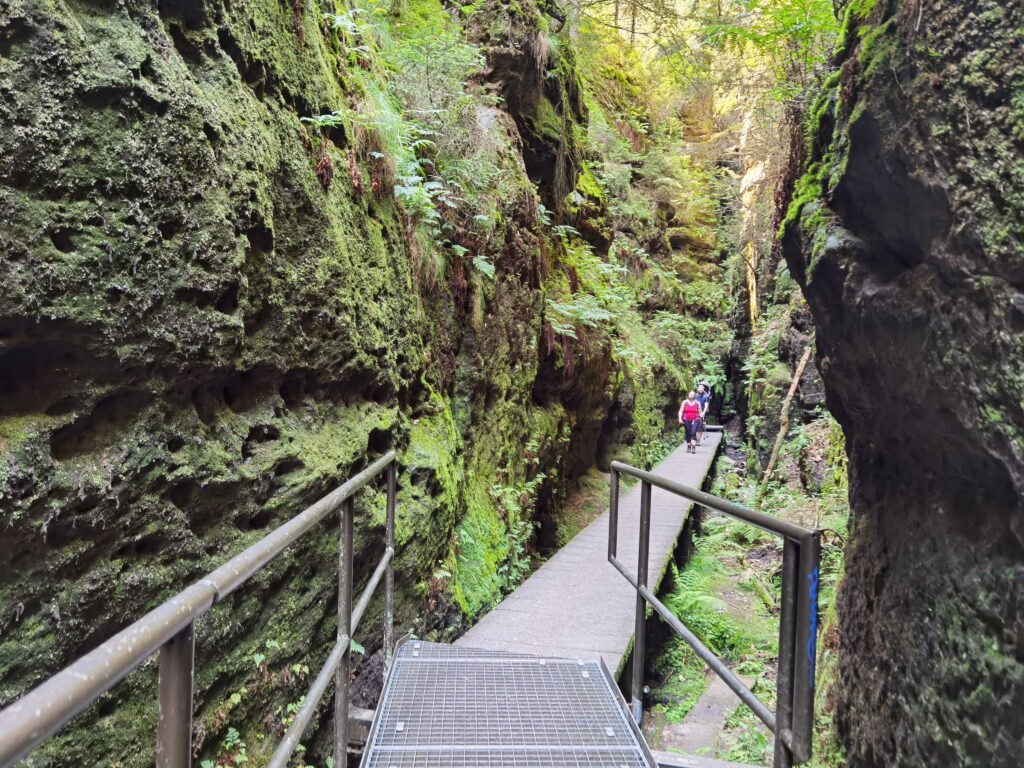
(453, 707)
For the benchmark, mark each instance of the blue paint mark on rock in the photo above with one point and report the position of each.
(812, 639)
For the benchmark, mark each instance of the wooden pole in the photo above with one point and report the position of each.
(783, 423)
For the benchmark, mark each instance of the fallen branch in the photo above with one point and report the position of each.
(783, 423)
(766, 596)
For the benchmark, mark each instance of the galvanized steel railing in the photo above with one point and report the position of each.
(792, 721)
(169, 629)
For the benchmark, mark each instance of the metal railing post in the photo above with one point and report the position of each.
(805, 645)
(640, 631)
(613, 515)
(174, 726)
(787, 647)
(793, 721)
(345, 576)
(389, 578)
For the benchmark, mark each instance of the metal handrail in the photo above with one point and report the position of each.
(169, 628)
(792, 722)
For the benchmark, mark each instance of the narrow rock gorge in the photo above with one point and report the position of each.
(249, 247)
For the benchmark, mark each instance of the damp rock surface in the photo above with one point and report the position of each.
(905, 234)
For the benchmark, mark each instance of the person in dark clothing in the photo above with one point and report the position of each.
(689, 415)
(704, 400)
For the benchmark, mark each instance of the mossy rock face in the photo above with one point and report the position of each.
(187, 356)
(198, 337)
(905, 236)
(537, 79)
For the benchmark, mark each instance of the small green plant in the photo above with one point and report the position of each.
(289, 711)
(232, 751)
(566, 317)
(685, 679)
(515, 503)
(748, 741)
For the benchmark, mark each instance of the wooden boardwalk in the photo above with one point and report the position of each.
(577, 605)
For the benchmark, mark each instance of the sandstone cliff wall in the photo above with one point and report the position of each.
(905, 233)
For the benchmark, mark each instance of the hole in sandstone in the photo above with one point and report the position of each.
(253, 522)
(170, 228)
(63, 240)
(149, 104)
(211, 134)
(263, 433)
(100, 428)
(254, 322)
(188, 50)
(107, 705)
(175, 444)
(207, 399)
(114, 294)
(192, 13)
(199, 298)
(104, 96)
(181, 494)
(244, 390)
(379, 441)
(147, 69)
(378, 393)
(64, 530)
(490, 398)
(87, 504)
(260, 433)
(204, 505)
(261, 239)
(427, 480)
(549, 384)
(150, 545)
(350, 388)
(147, 546)
(32, 377)
(261, 519)
(16, 31)
(64, 406)
(228, 44)
(293, 387)
(228, 301)
(287, 466)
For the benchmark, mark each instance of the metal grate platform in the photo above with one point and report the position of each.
(446, 706)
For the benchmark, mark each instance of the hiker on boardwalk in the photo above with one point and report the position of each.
(689, 415)
(704, 400)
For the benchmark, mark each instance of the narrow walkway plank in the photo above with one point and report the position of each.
(577, 605)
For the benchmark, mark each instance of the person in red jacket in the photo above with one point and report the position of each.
(689, 417)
